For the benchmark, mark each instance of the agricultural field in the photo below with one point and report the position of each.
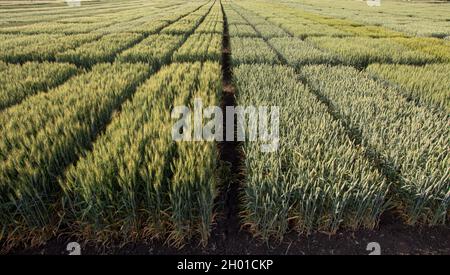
(357, 100)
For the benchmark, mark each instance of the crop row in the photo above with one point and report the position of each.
(84, 19)
(367, 31)
(210, 25)
(136, 178)
(232, 16)
(295, 26)
(181, 27)
(103, 50)
(252, 50)
(269, 30)
(41, 47)
(3, 66)
(317, 179)
(297, 52)
(77, 49)
(188, 23)
(411, 140)
(433, 46)
(76, 25)
(47, 133)
(213, 22)
(52, 28)
(145, 27)
(430, 83)
(305, 23)
(356, 51)
(150, 22)
(309, 24)
(50, 13)
(244, 30)
(360, 51)
(10, 41)
(200, 47)
(20, 81)
(156, 49)
(420, 20)
(6, 37)
(306, 30)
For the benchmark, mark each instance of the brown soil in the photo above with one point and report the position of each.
(393, 238)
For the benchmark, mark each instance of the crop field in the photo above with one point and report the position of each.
(87, 94)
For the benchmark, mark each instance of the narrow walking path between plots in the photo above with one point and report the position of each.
(228, 224)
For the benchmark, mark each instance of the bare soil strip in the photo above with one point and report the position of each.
(228, 224)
